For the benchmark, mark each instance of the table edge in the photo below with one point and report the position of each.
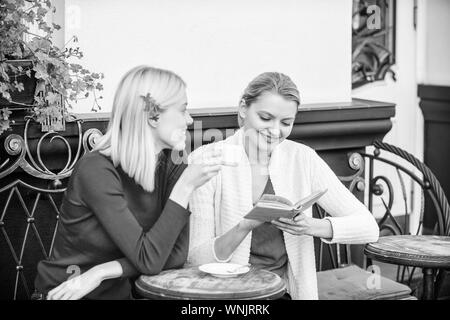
(161, 296)
(406, 259)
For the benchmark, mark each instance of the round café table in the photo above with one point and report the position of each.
(193, 284)
(423, 251)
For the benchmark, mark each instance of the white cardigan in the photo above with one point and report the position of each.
(295, 171)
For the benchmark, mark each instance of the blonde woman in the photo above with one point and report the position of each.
(268, 163)
(125, 210)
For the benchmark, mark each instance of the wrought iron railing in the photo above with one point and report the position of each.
(30, 195)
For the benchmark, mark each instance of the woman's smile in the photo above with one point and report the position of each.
(269, 138)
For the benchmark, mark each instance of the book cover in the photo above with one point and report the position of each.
(271, 207)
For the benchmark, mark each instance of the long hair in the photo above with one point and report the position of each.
(274, 82)
(129, 140)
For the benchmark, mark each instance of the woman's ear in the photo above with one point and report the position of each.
(242, 109)
(153, 122)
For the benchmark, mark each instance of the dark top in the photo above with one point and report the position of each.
(106, 216)
(267, 249)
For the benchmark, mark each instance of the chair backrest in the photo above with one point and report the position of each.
(382, 188)
(428, 182)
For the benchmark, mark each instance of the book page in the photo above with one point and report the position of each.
(310, 200)
(274, 198)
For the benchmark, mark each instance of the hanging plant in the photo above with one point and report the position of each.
(27, 65)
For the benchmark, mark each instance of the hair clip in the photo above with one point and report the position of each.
(151, 106)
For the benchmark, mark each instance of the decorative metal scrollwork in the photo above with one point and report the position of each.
(32, 162)
(356, 162)
(90, 138)
(14, 146)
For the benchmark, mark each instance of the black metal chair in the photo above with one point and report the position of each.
(349, 281)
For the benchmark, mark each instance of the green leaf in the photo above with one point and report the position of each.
(52, 99)
(19, 86)
(5, 95)
(41, 11)
(41, 72)
(4, 125)
(5, 113)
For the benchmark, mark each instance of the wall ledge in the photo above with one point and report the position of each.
(323, 126)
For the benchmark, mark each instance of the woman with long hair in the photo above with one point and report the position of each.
(125, 209)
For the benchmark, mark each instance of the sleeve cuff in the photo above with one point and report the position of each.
(328, 240)
(176, 208)
(214, 253)
(128, 270)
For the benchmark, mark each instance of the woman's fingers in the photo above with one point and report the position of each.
(212, 157)
(288, 221)
(56, 289)
(207, 157)
(56, 292)
(77, 296)
(57, 295)
(298, 220)
(211, 172)
(281, 224)
(213, 168)
(218, 161)
(66, 295)
(301, 216)
(288, 227)
(67, 287)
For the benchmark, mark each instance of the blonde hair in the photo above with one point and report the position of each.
(129, 140)
(275, 82)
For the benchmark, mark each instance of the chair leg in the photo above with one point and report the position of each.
(428, 284)
(368, 262)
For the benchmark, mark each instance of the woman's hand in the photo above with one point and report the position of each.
(225, 245)
(304, 225)
(76, 287)
(298, 226)
(203, 167)
(199, 171)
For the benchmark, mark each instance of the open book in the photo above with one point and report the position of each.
(272, 207)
